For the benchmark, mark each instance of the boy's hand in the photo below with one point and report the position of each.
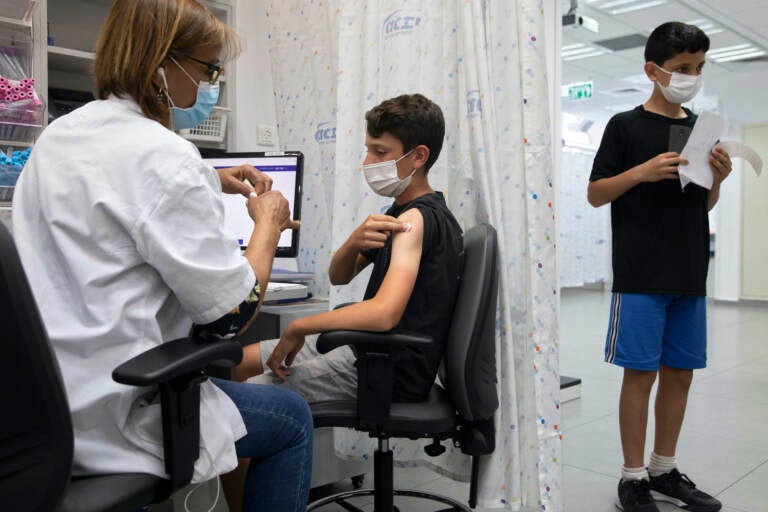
(661, 167)
(232, 180)
(720, 163)
(374, 232)
(285, 352)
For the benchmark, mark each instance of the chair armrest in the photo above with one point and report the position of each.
(376, 356)
(176, 367)
(334, 339)
(175, 358)
(343, 305)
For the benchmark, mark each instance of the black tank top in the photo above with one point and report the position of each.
(430, 307)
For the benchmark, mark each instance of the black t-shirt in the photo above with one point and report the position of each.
(430, 307)
(660, 231)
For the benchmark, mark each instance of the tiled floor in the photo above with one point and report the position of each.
(723, 446)
(724, 443)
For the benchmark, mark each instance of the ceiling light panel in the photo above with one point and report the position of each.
(709, 27)
(624, 6)
(743, 56)
(735, 52)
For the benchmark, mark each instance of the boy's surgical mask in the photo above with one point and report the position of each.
(383, 179)
(682, 88)
(207, 96)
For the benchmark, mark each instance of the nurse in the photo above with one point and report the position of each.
(119, 227)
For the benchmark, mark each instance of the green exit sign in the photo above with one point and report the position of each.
(582, 91)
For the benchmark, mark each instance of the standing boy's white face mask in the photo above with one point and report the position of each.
(682, 88)
(383, 179)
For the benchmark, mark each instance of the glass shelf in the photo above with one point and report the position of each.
(71, 60)
(18, 13)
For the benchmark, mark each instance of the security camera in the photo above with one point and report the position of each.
(579, 20)
(590, 24)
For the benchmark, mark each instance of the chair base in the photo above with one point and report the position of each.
(339, 498)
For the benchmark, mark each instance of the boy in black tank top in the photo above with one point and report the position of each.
(415, 248)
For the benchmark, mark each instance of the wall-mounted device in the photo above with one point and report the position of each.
(575, 20)
(580, 21)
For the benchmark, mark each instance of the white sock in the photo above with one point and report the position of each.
(634, 473)
(660, 464)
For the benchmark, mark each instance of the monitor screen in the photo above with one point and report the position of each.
(286, 170)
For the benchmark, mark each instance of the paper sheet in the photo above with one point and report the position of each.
(736, 149)
(706, 134)
(707, 131)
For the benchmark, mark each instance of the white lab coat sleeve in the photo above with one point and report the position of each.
(181, 236)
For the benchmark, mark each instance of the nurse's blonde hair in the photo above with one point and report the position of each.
(139, 35)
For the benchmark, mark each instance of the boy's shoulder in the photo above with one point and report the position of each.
(433, 200)
(629, 115)
(639, 113)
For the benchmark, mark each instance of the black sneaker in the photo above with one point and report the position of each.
(635, 496)
(677, 488)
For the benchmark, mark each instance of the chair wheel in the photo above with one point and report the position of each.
(357, 481)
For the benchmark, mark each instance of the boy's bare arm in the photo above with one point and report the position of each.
(373, 233)
(380, 313)
(660, 167)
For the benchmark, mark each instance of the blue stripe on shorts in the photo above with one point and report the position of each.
(648, 330)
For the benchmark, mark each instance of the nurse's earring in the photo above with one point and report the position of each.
(161, 96)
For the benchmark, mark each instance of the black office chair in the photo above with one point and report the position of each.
(461, 410)
(36, 438)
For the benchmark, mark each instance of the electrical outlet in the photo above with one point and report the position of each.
(266, 135)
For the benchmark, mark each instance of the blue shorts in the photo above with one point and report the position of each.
(646, 331)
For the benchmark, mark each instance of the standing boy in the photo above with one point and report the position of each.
(660, 259)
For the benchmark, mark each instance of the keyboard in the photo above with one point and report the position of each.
(277, 291)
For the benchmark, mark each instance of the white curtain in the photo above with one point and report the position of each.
(483, 62)
(585, 232)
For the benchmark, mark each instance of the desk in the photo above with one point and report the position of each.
(272, 320)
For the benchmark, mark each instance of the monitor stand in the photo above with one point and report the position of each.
(289, 264)
(287, 270)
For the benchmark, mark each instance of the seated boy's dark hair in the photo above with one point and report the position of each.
(673, 38)
(411, 118)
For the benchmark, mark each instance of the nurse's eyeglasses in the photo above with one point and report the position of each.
(213, 70)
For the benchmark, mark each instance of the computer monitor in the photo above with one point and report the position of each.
(286, 169)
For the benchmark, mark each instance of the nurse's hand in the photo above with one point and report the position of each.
(232, 180)
(271, 208)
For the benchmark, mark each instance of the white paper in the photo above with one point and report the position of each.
(736, 149)
(707, 131)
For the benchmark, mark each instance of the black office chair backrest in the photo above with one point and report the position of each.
(469, 365)
(36, 440)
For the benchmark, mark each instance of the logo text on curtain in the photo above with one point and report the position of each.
(400, 23)
(474, 104)
(325, 133)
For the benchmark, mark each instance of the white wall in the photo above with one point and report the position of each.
(254, 93)
(727, 260)
(754, 208)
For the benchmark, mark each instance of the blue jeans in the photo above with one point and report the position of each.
(279, 444)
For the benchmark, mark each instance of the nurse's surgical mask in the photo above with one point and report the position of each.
(207, 96)
(383, 179)
(682, 88)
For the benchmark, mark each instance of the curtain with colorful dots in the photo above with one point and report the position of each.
(484, 63)
(585, 232)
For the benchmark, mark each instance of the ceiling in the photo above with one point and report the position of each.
(736, 88)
